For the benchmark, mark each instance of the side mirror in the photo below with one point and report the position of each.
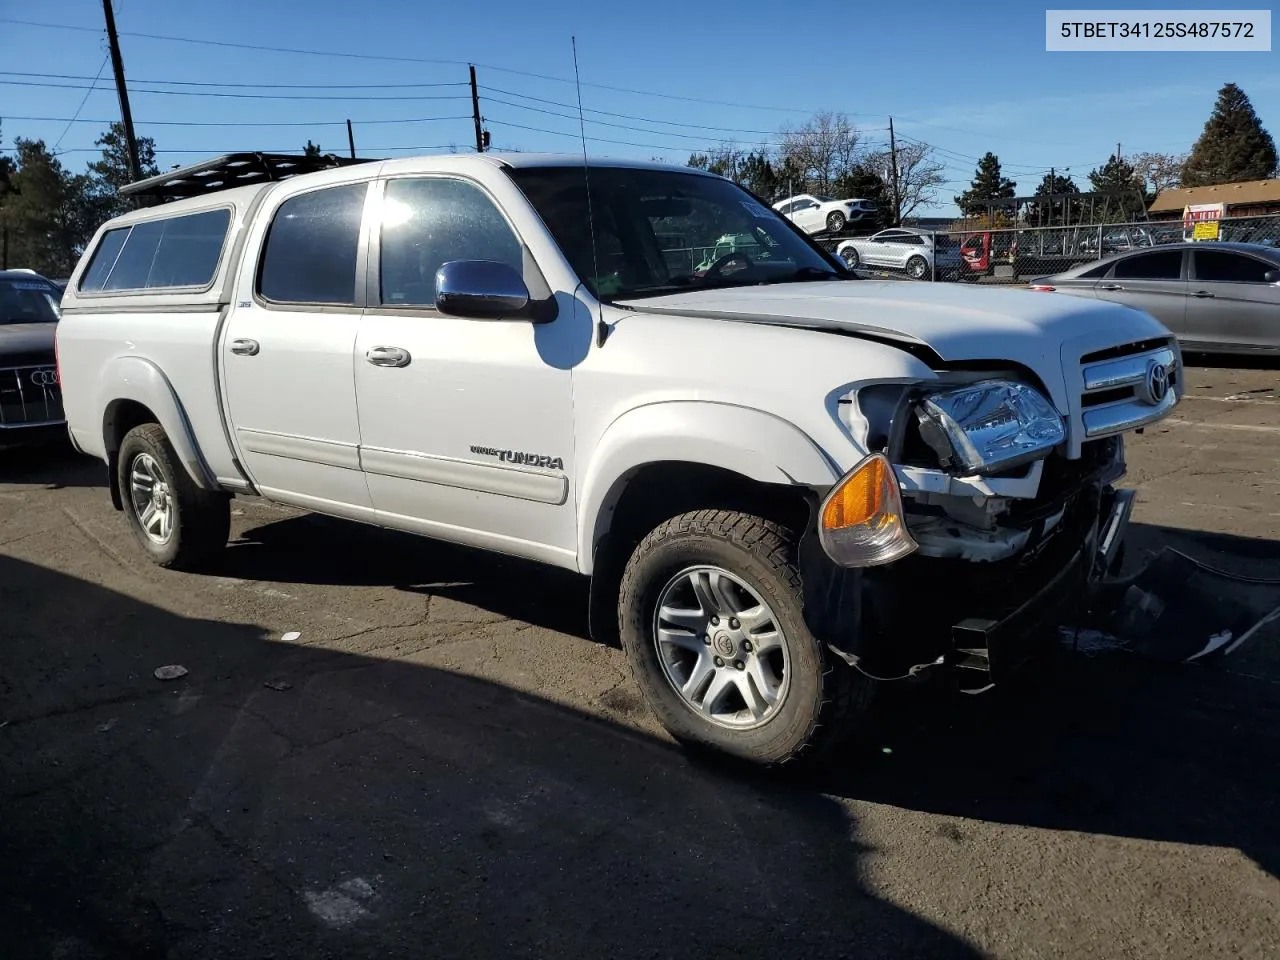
(481, 290)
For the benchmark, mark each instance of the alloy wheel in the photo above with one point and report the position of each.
(721, 647)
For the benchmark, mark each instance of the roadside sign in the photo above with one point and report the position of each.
(1205, 230)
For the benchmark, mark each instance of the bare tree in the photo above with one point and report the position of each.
(824, 148)
(919, 175)
(1160, 171)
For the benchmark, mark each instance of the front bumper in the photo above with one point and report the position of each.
(978, 622)
(985, 651)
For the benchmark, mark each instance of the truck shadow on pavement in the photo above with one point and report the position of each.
(360, 807)
(320, 550)
(1106, 744)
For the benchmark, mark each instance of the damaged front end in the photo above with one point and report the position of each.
(1002, 535)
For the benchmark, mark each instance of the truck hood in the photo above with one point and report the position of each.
(958, 323)
(16, 338)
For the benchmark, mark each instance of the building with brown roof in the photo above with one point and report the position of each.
(1252, 198)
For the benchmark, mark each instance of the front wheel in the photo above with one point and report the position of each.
(917, 267)
(711, 616)
(850, 257)
(177, 523)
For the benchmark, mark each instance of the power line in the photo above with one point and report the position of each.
(83, 101)
(219, 152)
(241, 123)
(397, 59)
(255, 86)
(628, 116)
(622, 126)
(133, 89)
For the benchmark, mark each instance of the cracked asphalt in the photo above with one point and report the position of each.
(440, 763)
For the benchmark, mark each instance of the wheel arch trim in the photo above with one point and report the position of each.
(138, 380)
(756, 445)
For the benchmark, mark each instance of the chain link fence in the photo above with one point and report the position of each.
(1018, 255)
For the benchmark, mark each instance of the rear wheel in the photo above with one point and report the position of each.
(711, 616)
(835, 221)
(177, 523)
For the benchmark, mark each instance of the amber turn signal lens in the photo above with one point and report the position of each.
(859, 498)
(861, 522)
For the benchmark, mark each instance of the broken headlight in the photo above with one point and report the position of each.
(990, 426)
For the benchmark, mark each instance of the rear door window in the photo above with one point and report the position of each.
(1163, 265)
(1222, 267)
(159, 254)
(310, 252)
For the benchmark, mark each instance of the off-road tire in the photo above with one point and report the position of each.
(824, 694)
(202, 518)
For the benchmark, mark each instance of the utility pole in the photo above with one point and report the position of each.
(475, 110)
(351, 139)
(126, 116)
(893, 173)
(1117, 151)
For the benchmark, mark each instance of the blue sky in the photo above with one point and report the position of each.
(966, 78)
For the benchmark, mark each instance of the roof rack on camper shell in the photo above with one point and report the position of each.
(231, 170)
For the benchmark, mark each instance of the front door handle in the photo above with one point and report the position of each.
(1203, 295)
(388, 357)
(1111, 286)
(245, 348)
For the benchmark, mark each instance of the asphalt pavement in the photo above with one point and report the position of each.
(388, 747)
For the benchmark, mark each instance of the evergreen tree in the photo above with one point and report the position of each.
(988, 184)
(863, 183)
(1052, 212)
(111, 172)
(311, 149)
(1234, 145)
(43, 213)
(1121, 181)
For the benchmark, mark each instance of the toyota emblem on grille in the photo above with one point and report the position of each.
(44, 378)
(1157, 382)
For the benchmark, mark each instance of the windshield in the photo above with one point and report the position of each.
(28, 301)
(659, 231)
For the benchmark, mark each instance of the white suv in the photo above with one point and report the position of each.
(815, 214)
(921, 255)
(784, 482)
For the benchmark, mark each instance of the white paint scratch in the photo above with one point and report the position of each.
(340, 906)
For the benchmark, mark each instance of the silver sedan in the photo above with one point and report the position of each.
(1215, 297)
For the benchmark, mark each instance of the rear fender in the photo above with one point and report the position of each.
(141, 381)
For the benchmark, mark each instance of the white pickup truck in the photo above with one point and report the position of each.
(788, 485)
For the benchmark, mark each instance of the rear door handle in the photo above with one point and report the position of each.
(1111, 286)
(1203, 295)
(245, 348)
(388, 357)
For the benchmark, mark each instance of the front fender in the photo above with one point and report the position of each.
(746, 441)
(141, 381)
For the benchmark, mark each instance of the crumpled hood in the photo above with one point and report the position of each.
(18, 338)
(958, 322)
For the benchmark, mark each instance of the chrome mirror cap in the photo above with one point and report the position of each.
(481, 290)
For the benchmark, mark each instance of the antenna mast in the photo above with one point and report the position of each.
(602, 328)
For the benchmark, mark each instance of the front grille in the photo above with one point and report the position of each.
(30, 396)
(1128, 387)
